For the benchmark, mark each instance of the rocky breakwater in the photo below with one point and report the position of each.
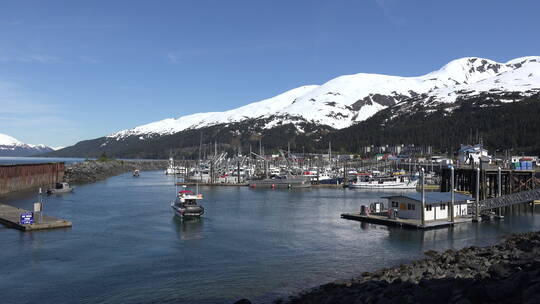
(94, 170)
(505, 273)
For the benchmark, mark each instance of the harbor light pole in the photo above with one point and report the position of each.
(499, 188)
(477, 195)
(452, 194)
(423, 198)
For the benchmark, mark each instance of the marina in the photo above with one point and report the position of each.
(257, 152)
(296, 229)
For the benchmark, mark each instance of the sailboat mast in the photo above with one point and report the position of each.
(330, 153)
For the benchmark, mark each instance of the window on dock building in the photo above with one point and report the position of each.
(443, 206)
(395, 204)
(410, 206)
(428, 208)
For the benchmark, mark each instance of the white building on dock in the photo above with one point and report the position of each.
(409, 206)
(475, 153)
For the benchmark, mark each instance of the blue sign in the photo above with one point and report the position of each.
(27, 218)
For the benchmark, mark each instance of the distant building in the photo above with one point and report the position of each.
(533, 159)
(475, 153)
(409, 206)
(379, 156)
(441, 160)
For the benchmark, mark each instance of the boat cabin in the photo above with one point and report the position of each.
(409, 206)
(189, 197)
(59, 186)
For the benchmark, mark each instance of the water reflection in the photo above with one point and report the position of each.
(189, 228)
(250, 243)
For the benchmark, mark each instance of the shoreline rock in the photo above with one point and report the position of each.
(94, 170)
(508, 272)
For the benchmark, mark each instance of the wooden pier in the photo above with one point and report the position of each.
(192, 184)
(403, 223)
(10, 216)
(512, 181)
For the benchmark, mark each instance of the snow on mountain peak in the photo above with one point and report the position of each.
(525, 59)
(252, 110)
(347, 99)
(6, 140)
(10, 146)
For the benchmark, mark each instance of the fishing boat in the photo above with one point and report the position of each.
(60, 188)
(173, 169)
(316, 175)
(384, 182)
(185, 204)
(136, 173)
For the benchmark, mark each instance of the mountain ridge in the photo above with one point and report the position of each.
(348, 99)
(10, 146)
(341, 103)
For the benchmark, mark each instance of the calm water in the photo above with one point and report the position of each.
(127, 247)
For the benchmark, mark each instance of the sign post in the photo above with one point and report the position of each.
(37, 208)
(27, 218)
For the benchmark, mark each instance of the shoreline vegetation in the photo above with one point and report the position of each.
(91, 171)
(508, 272)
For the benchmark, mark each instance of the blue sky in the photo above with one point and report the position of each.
(75, 70)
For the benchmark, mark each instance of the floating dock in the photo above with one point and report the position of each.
(10, 216)
(192, 184)
(403, 223)
(211, 184)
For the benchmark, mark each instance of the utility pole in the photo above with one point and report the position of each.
(499, 188)
(477, 194)
(289, 149)
(423, 198)
(452, 194)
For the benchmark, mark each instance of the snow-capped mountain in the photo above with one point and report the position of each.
(353, 110)
(10, 146)
(348, 99)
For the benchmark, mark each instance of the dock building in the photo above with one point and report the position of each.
(437, 205)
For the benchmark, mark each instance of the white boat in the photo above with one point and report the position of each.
(391, 182)
(316, 175)
(185, 204)
(136, 173)
(200, 176)
(60, 188)
(172, 169)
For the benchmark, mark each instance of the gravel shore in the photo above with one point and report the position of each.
(505, 273)
(508, 272)
(93, 170)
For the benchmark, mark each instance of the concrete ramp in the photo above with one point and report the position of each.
(10, 216)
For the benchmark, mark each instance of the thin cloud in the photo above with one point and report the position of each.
(388, 7)
(30, 121)
(177, 57)
(174, 57)
(19, 108)
(32, 58)
(88, 59)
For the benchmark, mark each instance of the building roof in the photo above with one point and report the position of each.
(434, 197)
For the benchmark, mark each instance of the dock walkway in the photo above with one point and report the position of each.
(403, 223)
(10, 217)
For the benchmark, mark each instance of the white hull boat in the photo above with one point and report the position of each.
(385, 184)
(185, 204)
(60, 188)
